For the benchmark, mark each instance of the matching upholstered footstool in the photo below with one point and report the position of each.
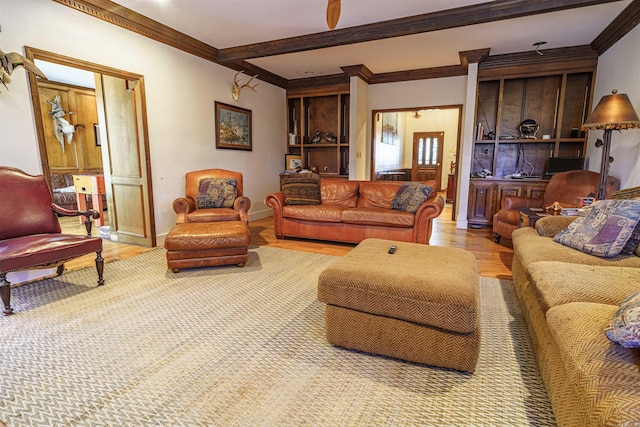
(419, 304)
(205, 244)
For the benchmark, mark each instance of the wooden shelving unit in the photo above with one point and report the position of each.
(325, 112)
(558, 102)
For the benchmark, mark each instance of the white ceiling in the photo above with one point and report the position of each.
(230, 23)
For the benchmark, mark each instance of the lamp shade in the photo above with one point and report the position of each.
(613, 112)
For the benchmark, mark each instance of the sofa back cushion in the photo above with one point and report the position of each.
(378, 194)
(335, 191)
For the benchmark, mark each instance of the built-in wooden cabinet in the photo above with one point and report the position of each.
(318, 130)
(558, 102)
(485, 196)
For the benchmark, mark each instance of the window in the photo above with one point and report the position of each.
(428, 151)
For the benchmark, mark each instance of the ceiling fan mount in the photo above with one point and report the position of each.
(333, 13)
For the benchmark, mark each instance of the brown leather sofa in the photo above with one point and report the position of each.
(351, 211)
(563, 187)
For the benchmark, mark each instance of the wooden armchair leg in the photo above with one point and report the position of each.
(5, 293)
(100, 267)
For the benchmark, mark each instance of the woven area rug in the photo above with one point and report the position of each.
(230, 346)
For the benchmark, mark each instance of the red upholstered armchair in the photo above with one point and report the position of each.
(30, 235)
(190, 209)
(563, 187)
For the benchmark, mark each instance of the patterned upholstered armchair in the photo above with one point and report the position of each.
(212, 195)
(30, 234)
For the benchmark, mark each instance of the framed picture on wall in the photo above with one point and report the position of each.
(292, 162)
(233, 127)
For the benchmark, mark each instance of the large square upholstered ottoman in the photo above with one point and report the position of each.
(206, 244)
(419, 304)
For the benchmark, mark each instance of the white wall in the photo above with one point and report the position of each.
(180, 94)
(619, 68)
(421, 93)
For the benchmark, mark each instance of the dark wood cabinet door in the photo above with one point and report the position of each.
(481, 203)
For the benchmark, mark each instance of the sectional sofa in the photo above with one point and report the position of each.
(569, 299)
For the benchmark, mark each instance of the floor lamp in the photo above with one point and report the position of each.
(613, 112)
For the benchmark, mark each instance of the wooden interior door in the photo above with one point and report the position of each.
(427, 156)
(81, 154)
(124, 150)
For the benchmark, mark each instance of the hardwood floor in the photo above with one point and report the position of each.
(494, 260)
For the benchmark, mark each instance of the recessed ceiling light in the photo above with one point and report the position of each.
(306, 73)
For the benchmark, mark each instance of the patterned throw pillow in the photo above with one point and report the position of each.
(301, 189)
(217, 193)
(625, 326)
(410, 196)
(605, 230)
(633, 245)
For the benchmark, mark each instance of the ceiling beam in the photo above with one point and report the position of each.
(618, 28)
(497, 10)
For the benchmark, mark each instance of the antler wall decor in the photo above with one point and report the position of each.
(237, 87)
(61, 126)
(12, 60)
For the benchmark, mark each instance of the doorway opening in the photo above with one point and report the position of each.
(397, 153)
(111, 137)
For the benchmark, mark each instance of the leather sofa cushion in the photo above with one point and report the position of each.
(605, 374)
(213, 215)
(378, 216)
(340, 192)
(320, 213)
(558, 283)
(378, 194)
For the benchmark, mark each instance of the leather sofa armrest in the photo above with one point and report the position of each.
(242, 205)
(515, 202)
(549, 226)
(424, 217)
(276, 202)
(182, 206)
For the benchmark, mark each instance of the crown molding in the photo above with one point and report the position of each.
(551, 60)
(473, 56)
(358, 71)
